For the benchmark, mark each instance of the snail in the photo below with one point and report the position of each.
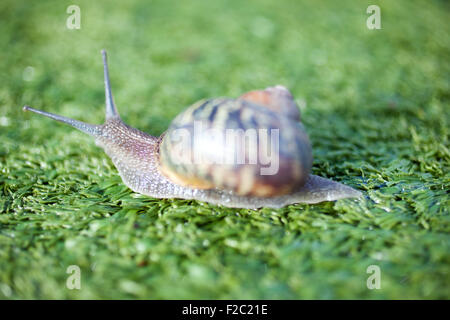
(193, 160)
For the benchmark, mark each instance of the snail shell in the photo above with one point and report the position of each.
(164, 167)
(244, 132)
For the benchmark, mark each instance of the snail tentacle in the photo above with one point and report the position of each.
(91, 129)
(111, 110)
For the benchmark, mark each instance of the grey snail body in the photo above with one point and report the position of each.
(158, 166)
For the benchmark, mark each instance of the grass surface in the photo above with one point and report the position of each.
(375, 104)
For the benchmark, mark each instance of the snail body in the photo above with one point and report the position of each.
(266, 164)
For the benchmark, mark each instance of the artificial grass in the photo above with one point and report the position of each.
(375, 104)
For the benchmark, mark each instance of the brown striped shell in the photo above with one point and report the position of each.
(253, 145)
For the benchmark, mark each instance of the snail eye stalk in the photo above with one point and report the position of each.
(91, 129)
(111, 110)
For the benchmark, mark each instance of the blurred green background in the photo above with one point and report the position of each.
(375, 104)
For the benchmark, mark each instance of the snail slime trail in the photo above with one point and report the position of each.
(246, 152)
(239, 147)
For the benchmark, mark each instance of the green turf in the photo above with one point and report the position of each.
(375, 104)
